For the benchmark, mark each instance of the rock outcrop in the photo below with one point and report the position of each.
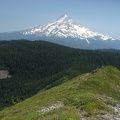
(4, 74)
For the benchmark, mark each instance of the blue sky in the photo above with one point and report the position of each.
(102, 16)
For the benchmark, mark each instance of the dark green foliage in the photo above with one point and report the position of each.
(110, 50)
(34, 65)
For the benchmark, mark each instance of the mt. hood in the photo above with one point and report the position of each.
(67, 32)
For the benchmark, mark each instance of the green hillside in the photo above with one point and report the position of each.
(89, 96)
(38, 65)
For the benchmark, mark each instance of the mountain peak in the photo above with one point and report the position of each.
(63, 18)
(65, 27)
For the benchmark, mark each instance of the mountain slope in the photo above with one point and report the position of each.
(67, 32)
(35, 65)
(89, 96)
(65, 27)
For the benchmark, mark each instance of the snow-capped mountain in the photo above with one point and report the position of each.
(67, 32)
(65, 27)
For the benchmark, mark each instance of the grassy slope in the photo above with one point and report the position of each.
(79, 95)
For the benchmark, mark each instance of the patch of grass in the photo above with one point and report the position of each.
(103, 82)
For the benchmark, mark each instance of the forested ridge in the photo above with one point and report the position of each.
(35, 65)
(110, 50)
